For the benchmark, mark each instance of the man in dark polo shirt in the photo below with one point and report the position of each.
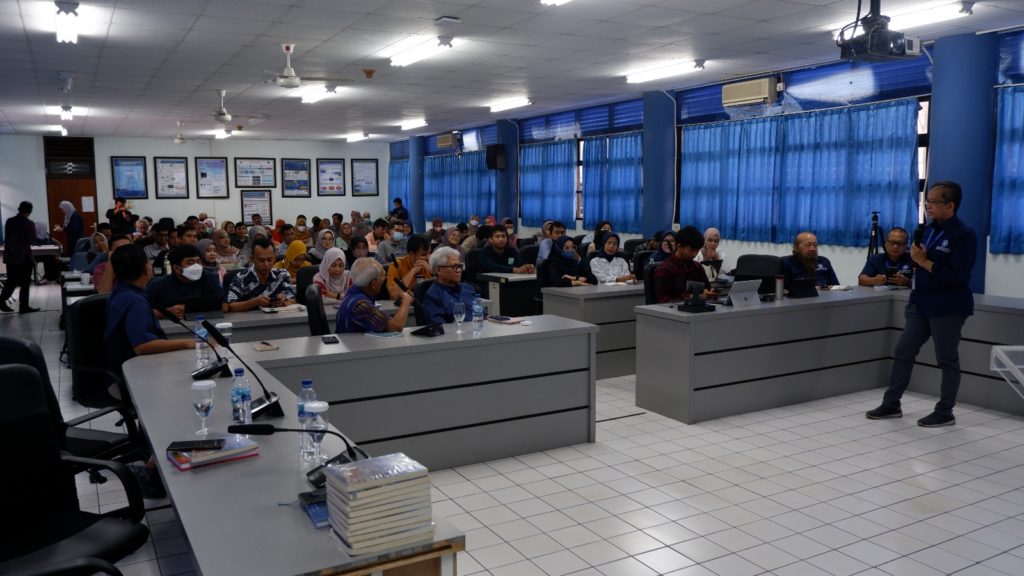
(187, 280)
(804, 262)
(498, 257)
(672, 275)
(940, 302)
(893, 266)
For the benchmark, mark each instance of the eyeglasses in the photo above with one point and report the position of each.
(454, 267)
(931, 202)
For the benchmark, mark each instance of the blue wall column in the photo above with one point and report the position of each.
(415, 207)
(507, 180)
(963, 129)
(659, 162)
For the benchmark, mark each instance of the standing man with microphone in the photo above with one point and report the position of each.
(943, 252)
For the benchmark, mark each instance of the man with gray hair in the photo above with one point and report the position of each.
(357, 311)
(439, 301)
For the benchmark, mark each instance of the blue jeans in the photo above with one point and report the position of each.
(945, 334)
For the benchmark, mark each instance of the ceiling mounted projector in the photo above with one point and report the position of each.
(870, 39)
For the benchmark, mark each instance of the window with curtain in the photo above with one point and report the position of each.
(1007, 234)
(457, 186)
(398, 180)
(613, 181)
(547, 182)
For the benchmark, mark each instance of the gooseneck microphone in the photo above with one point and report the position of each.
(316, 476)
(269, 404)
(221, 365)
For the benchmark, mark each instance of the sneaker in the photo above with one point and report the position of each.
(883, 412)
(936, 420)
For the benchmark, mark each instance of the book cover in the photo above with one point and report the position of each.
(364, 474)
(397, 541)
(235, 448)
(318, 514)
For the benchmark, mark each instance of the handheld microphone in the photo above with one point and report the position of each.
(270, 403)
(221, 365)
(317, 477)
(919, 234)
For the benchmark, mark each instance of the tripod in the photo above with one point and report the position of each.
(875, 234)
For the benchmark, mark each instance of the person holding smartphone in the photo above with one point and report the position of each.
(893, 266)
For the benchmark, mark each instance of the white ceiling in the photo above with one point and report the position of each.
(140, 65)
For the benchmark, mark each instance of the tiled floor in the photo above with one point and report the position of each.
(810, 489)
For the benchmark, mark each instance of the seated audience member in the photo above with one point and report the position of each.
(564, 268)
(302, 232)
(592, 238)
(358, 312)
(288, 234)
(294, 258)
(671, 276)
(226, 253)
(893, 266)
(412, 268)
(555, 231)
(324, 242)
(439, 301)
(262, 285)
(394, 245)
(103, 274)
(474, 223)
(497, 257)
(333, 279)
(399, 211)
(463, 230)
(141, 235)
(478, 239)
(805, 263)
(379, 233)
(161, 237)
(187, 280)
(436, 232)
(98, 248)
(344, 236)
(710, 251)
(229, 227)
(257, 220)
(510, 230)
(360, 228)
(241, 235)
(607, 266)
(245, 254)
(356, 250)
(106, 229)
(187, 235)
(545, 230)
(276, 235)
(490, 220)
(666, 245)
(210, 259)
(336, 220)
(453, 239)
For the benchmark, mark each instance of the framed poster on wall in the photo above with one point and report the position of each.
(295, 178)
(330, 176)
(256, 202)
(364, 177)
(212, 177)
(128, 175)
(255, 172)
(171, 176)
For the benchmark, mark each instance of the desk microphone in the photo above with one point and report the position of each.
(221, 365)
(316, 476)
(269, 403)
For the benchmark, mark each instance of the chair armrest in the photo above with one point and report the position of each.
(86, 565)
(136, 509)
(91, 416)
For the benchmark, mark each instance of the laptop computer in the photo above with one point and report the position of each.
(744, 293)
(207, 306)
(803, 288)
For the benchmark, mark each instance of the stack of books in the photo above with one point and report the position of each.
(380, 503)
(188, 455)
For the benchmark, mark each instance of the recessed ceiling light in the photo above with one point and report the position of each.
(314, 94)
(222, 134)
(67, 22)
(413, 124)
(509, 103)
(914, 16)
(66, 113)
(554, 2)
(417, 48)
(667, 70)
(355, 136)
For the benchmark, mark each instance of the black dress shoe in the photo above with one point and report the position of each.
(27, 310)
(936, 420)
(883, 412)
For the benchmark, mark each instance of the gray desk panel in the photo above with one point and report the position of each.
(616, 363)
(978, 390)
(595, 304)
(974, 357)
(616, 336)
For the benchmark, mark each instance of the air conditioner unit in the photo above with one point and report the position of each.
(760, 91)
(447, 140)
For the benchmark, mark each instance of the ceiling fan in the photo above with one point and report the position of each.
(287, 78)
(179, 138)
(222, 116)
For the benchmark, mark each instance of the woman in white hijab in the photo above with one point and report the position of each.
(711, 252)
(333, 279)
(72, 227)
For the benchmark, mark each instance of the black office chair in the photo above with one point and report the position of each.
(90, 376)
(315, 315)
(529, 253)
(472, 269)
(639, 261)
(578, 240)
(419, 291)
(649, 297)
(630, 246)
(763, 267)
(49, 533)
(303, 279)
(528, 241)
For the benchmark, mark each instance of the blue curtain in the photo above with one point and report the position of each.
(1007, 236)
(838, 166)
(547, 182)
(728, 177)
(398, 180)
(613, 181)
(455, 187)
(440, 180)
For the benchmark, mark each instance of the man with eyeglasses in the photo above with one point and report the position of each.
(892, 267)
(439, 301)
(940, 302)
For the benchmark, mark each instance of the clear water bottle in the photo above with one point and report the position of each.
(307, 394)
(478, 316)
(202, 348)
(225, 328)
(241, 398)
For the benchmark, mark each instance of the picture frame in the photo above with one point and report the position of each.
(170, 176)
(212, 177)
(365, 177)
(330, 177)
(128, 177)
(255, 173)
(256, 202)
(295, 178)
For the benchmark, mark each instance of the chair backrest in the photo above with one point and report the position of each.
(763, 267)
(419, 292)
(79, 260)
(529, 253)
(528, 241)
(303, 279)
(87, 322)
(649, 297)
(472, 265)
(315, 315)
(542, 275)
(228, 277)
(630, 246)
(578, 240)
(28, 353)
(639, 260)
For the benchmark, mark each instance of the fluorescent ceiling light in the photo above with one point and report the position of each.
(314, 94)
(222, 134)
(674, 68)
(57, 128)
(554, 2)
(355, 136)
(67, 22)
(413, 50)
(414, 124)
(66, 113)
(915, 16)
(509, 103)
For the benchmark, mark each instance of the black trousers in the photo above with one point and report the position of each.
(18, 276)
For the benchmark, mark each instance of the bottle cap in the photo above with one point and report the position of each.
(316, 406)
(307, 383)
(200, 318)
(239, 371)
(222, 326)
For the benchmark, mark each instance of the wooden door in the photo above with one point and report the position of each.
(79, 191)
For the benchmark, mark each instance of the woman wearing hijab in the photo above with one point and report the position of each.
(98, 248)
(294, 258)
(226, 253)
(594, 240)
(275, 234)
(453, 239)
(209, 259)
(562, 267)
(73, 227)
(711, 251)
(333, 278)
(607, 266)
(666, 247)
(324, 242)
(345, 236)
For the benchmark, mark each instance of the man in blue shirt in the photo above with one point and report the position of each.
(498, 257)
(439, 301)
(261, 285)
(554, 232)
(940, 302)
(357, 311)
(399, 211)
(187, 280)
(805, 263)
(892, 267)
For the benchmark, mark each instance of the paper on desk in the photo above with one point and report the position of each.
(289, 308)
(840, 288)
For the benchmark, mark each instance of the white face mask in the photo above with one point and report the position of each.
(301, 228)
(193, 272)
(474, 222)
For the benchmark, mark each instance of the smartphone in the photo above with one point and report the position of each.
(500, 318)
(264, 346)
(329, 339)
(190, 445)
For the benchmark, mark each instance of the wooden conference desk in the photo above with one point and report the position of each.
(695, 367)
(611, 308)
(232, 513)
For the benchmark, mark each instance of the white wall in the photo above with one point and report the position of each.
(22, 176)
(286, 208)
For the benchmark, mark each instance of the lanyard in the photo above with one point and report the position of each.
(929, 241)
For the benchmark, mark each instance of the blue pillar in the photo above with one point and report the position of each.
(507, 180)
(659, 162)
(963, 127)
(415, 207)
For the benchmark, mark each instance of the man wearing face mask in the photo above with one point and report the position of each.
(393, 245)
(186, 280)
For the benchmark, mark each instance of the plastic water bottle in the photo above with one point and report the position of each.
(241, 398)
(307, 394)
(225, 328)
(478, 316)
(202, 348)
